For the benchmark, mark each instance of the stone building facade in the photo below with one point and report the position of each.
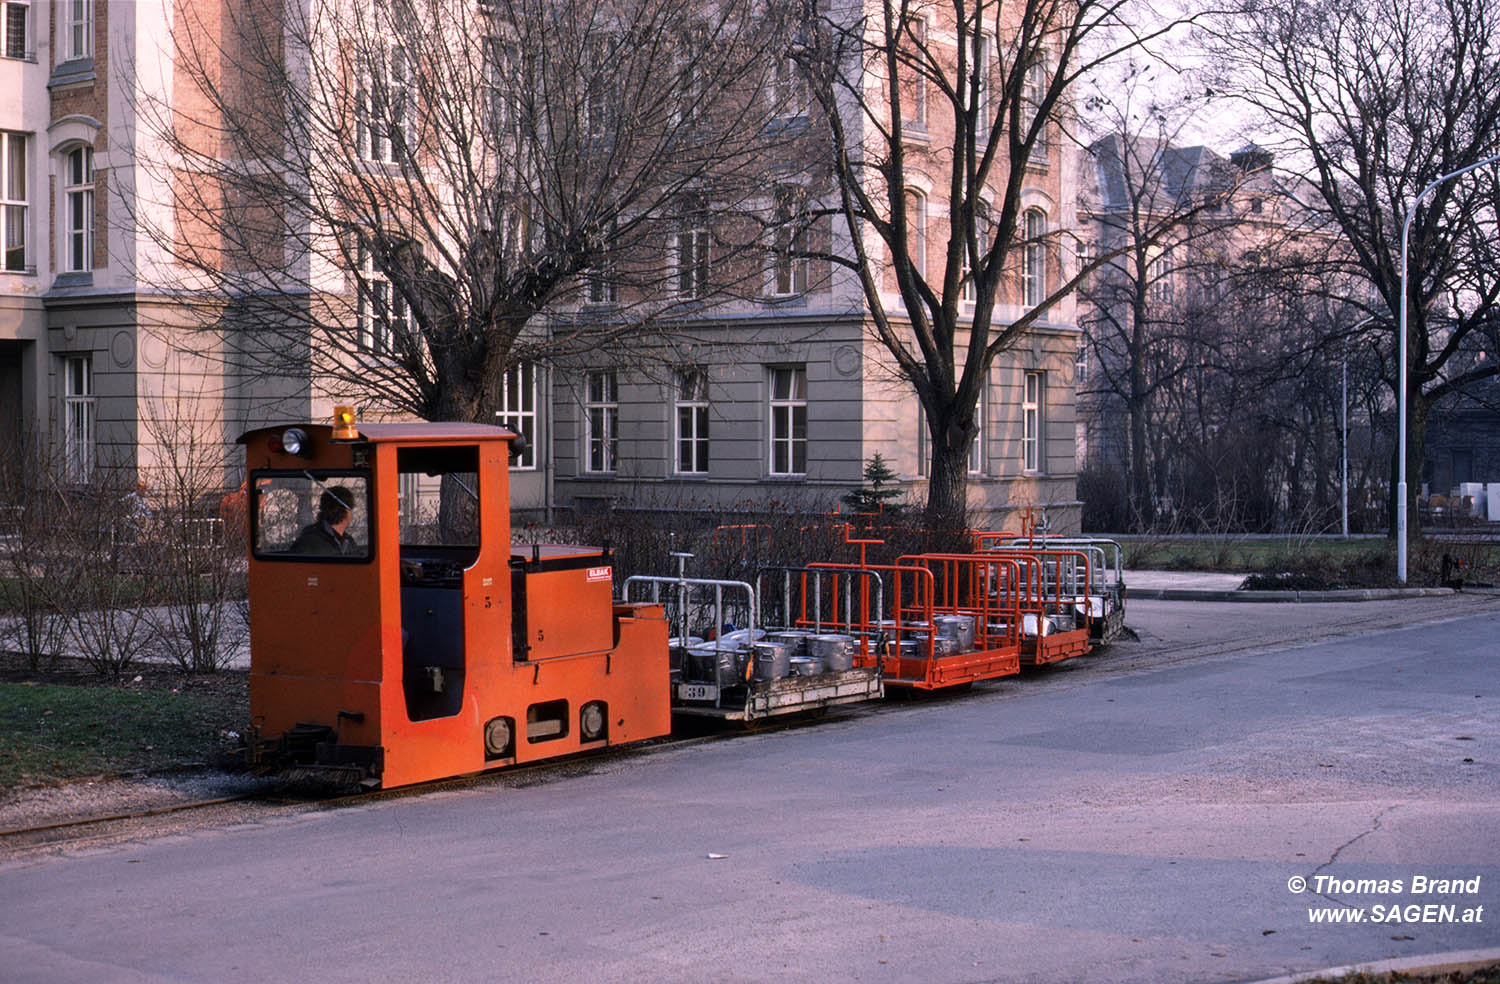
(787, 410)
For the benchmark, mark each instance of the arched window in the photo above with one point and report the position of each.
(1034, 274)
(78, 210)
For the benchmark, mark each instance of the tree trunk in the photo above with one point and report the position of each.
(948, 475)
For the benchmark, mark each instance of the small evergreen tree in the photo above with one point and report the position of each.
(875, 496)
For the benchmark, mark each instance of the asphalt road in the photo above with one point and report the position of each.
(1137, 817)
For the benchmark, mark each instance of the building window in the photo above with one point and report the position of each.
(1159, 275)
(692, 261)
(602, 420)
(78, 29)
(78, 198)
(78, 417)
(692, 422)
(914, 108)
(382, 122)
(968, 284)
(602, 287)
(691, 98)
(1085, 251)
(13, 207)
(916, 231)
(518, 410)
(789, 420)
(980, 80)
(976, 448)
(1031, 422)
(602, 282)
(1034, 279)
(791, 244)
(500, 58)
(790, 90)
(1033, 95)
(384, 318)
(17, 27)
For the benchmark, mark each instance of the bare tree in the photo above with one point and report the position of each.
(966, 98)
(1372, 101)
(401, 200)
(1161, 216)
(197, 537)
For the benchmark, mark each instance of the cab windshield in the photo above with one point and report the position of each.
(310, 515)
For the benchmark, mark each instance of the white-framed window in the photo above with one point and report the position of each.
(518, 410)
(1085, 253)
(914, 108)
(383, 313)
(692, 259)
(788, 406)
(1159, 275)
(78, 417)
(602, 285)
(916, 230)
(790, 90)
(1032, 421)
(500, 57)
(601, 421)
(980, 99)
(976, 448)
(969, 288)
(1081, 361)
(15, 22)
(692, 422)
(602, 282)
(382, 117)
(601, 101)
(77, 29)
(691, 98)
(791, 260)
(1034, 92)
(14, 202)
(78, 209)
(1034, 272)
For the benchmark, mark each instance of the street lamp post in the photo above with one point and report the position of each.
(1401, 385)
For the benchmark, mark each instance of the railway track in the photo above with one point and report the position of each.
(1121, 659)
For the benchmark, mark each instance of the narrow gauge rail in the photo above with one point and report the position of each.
(398, 637)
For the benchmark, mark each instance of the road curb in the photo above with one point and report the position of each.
(1353, 594)
(1431, 965)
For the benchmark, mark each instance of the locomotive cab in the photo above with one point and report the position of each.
(396, 636)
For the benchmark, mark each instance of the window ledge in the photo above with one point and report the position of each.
(81, 278)
(75, 72)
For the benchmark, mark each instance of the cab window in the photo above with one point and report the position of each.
(310, 515)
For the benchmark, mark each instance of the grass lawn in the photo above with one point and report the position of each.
(1351, 563)
(53, 729)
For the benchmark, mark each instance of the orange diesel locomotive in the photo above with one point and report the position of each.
(393, 644)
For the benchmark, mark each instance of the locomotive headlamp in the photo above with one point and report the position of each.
(345, 427)
(294, 440)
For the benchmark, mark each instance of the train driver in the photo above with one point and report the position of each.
(328, 535)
